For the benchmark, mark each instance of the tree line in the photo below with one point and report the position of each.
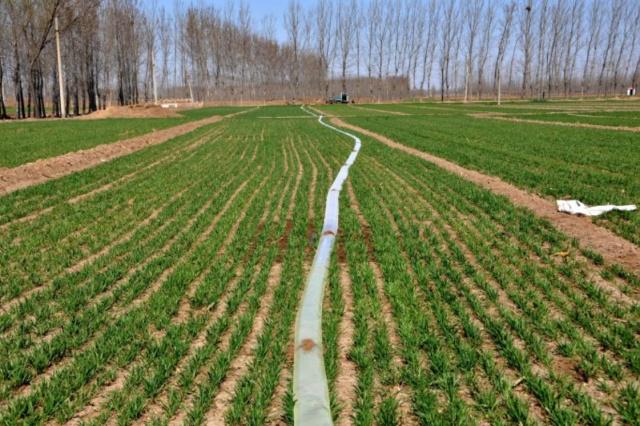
(129, 51)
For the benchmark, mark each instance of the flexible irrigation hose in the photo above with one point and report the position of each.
(310, 387)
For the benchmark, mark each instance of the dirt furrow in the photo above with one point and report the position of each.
(91, 258)
(117, 311)
(312, 188)
(504, 301)
(155, 409)
(464, 391)
(87, 260)
(125, 372)
(122, 179)
(347, 377)
(201, 238)
(401, 391)
(497, 116)
(201, 376)
(91, 192)
(26, 218)
(380, 111)
(41, 171)
(181, 416)
(613, 248)
(240, 365)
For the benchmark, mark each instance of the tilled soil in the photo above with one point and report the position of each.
(41, 171)
(613, 248)
(497, 116)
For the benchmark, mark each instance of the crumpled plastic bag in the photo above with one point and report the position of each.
(579, 208)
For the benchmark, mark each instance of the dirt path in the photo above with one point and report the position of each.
(497, 116)
(46, 169)
(613, 248)
(383, 111)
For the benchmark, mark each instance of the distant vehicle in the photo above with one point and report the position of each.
(342, 98)
(631, 91)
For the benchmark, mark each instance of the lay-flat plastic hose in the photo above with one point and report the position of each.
(310, 388)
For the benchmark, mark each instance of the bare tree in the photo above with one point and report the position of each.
(113, 50)
(617, 7)
(430, 43)
(541, 12)
(572, 44)
(358, 19)
(592, 45)
(526, 35)
(634, 23)
(626, 29)
(3, 47)
(244, 26)
(485, 44)
(472, 14)
(292, 22)
(632, 73)
(416, 16)
(447, 37)
(324, 35)
(558, 20)
(345, 31)
(374, 19)
(505, 33)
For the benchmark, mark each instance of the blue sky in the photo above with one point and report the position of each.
(259, 9)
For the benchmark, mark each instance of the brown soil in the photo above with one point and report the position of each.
(380, 110)
(241, 364)
(613, 248)
(285, 117)
(464, 391)
(299, 174)
(347, 377)
(495, 116)
(401, 391)
(84, 195)
(46, 169)
(312, 188)
(100, 401)
(23, 219)
(119, 310)
(137, 111)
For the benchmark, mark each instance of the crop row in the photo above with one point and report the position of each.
(491, 322)
(594, 166)
(184, 301)
(174, 275)
(25, 142)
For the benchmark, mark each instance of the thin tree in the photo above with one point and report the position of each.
(430, 44)
(526, 36)
(616, 15)
(505, 34)
(345, 33)
(292, 23)
(472, 13)
(593, 41)
(447, 37)
(485, 44)
(324, 41)
(541, 11)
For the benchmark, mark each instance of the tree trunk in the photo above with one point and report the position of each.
(3, 109)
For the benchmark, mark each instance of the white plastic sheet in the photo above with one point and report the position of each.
(579, 208)
(310, 387)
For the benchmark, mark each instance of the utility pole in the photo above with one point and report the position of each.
(60, 78)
